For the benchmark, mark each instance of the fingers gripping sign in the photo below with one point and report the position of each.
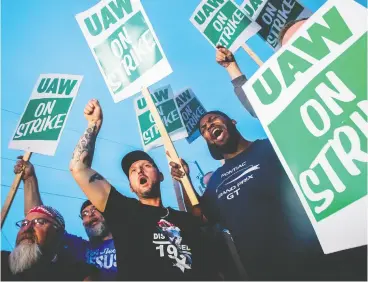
(178, 171)
(25, 166)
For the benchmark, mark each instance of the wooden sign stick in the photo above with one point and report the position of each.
(252, 54)
(168, 144)
(12, 191)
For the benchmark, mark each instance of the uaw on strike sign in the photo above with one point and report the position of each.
(124, 45)
(43, 120)
(311, 98)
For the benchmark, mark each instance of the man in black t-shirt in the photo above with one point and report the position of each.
(152, 242)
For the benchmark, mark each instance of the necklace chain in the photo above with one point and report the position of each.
(167, 213)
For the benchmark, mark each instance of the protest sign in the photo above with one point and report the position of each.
(272, 15)
(222, 22)
(45, 115)
(311, 98)
(164, 100)
(124, 45)
(191, 109)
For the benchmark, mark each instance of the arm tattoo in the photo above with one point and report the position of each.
(95, 177)
(83, 152)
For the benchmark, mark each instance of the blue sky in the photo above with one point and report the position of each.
(40, 36)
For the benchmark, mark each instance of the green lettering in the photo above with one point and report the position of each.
(96, 28)
(337, 31)
(107, 18)
(162, 95)
(291, 64)
(43, 85)
(53, 86)
(207, 10)
(273, 83)
(66, 86)
(215, 3)
(121, 7)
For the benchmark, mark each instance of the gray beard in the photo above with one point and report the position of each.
(99, 230)
(23, 257)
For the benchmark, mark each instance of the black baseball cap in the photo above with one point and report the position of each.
(132, 157)
(85, 204)
(215, 153)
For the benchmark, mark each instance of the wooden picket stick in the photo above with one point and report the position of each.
(13, 191)
(252, 54)
(168, 144)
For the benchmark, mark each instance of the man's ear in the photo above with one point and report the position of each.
(161, 177)
(233, 121)
(131, 188)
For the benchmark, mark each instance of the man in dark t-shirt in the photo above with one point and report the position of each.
(152, 242)
(252, 196)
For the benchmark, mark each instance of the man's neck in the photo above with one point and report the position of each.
(156, 202)
(242, 146)
(108, 237)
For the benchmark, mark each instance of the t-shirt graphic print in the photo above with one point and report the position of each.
(169, 243)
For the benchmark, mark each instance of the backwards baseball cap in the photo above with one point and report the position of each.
(85, 204)
(132, 157)
(215, 153)
(51, 212)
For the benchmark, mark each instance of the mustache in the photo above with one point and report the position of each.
(93, 220)
(27, 236)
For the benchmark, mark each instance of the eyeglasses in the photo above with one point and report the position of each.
(85, 213)
(37, 222)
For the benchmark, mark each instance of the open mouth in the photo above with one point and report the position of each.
(217, 133)
(142, 180)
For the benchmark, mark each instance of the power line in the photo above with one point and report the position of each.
(74, 130)
(64, 170)
(53, 194)
(6, 239)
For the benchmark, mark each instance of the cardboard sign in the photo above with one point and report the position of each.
(124, 46)
(311, 98)
(272, 15)
(191, 109)
(223, 23)
(45, 115)
(170, 115)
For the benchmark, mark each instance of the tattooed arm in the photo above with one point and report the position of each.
(95, 187)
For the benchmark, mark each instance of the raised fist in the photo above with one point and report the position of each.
(93, 113)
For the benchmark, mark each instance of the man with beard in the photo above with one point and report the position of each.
(99, 251)
(152, 242)
(36, 254)
(252, 196)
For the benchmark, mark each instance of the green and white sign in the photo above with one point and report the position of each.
(170, 115)
(191, 109)
(222, 22)
(45, 115)
(124, 46)
(272, 15)
(311, 98)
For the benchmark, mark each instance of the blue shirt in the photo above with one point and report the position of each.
(102, 255)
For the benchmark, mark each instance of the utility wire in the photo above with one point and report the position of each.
(6, 239)
(48, 193)
(74, 130)
(64, 170)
